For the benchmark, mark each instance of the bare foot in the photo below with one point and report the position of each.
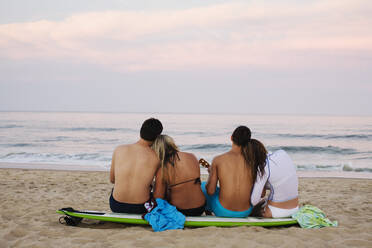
(267, 213)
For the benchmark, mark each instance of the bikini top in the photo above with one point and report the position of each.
(168, 191)
(196, 181)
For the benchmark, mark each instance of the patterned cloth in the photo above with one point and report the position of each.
(165, 216)
(312, 217)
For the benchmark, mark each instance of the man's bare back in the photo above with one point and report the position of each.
(132, 172)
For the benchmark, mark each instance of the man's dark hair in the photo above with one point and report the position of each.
(151, 128)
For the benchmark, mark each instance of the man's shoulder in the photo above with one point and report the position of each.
(122, 148)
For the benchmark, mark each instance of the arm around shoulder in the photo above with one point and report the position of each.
(112, 169)
(160, 187)
(212, 179)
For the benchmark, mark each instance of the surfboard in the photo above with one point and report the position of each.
(75, 216)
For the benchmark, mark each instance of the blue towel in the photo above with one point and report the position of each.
(165, 217)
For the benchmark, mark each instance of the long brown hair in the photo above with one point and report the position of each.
(253, 151)
(167, 152)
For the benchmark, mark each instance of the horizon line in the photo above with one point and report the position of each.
(180, 113)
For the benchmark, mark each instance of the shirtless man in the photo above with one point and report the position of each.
(233, 170)
(133, 168)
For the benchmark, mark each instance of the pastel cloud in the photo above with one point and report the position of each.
(224, 35)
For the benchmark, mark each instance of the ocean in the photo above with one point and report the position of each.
(315, 143)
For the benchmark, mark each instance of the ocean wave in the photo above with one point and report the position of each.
(327, 136)
(17, 145)
(196, 133)
(11, 126)
(54, 157)
(350, 168)
(56, 139)
(339, 167)
(350, 136)
(307, 136)
(312, 167)
(363, 170)
(90, 140)
(97, 129)
(290, 149)
(364, 158)
(205, 147)
(315, 149)
(103, 141)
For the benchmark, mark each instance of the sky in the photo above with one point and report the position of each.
(254, 57)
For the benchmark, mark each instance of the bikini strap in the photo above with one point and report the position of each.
(196, 180)
(168, 189)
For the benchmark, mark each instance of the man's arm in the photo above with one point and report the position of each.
(112, 169)
(212, 179)
(159, 190)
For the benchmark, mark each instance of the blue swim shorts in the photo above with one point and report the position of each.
(214, 205)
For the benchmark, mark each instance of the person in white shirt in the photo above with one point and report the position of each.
(280, 178)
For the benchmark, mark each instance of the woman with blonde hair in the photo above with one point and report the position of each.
(178, 178)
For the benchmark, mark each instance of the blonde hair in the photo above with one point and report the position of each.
(167, 152)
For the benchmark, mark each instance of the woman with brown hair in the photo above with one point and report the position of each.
(281, 179)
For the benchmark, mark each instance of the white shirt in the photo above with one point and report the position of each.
(280, 177)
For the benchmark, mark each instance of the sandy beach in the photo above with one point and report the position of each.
(29, 199)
